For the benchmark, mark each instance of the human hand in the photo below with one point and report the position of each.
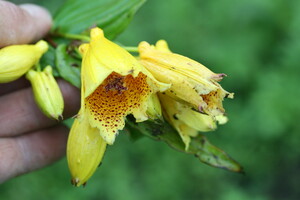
(28, 139)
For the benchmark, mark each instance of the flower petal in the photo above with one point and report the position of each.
(114, 99)
(192, 83)
(182, 89)
(185, 120)
(175, 62)
(85, 150)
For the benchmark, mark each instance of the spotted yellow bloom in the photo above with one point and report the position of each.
(191, 82)
(16, 60)
(114, 85)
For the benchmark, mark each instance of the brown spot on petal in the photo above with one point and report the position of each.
(214, 101)
(117, 97)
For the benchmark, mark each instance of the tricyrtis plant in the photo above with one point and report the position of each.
(152, 92)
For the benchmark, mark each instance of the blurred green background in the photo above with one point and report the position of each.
(256, 43)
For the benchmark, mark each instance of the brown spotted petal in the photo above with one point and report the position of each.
(114, 99)
(114, 85)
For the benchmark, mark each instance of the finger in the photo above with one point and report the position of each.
(22, 24)
(6, 88)
(19, 113)
(19, 155)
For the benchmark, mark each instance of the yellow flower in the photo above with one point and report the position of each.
(114, 85)
(46, 92)
(186, 121)
(16, 60)
(85, 150)
(191, 82)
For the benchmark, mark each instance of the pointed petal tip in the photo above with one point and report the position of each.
(162, 45)
(60, 117)
(143, 46)
(221, 119)
(75, 182)
(229, 95)
(57, 117)
(201, 109)
(42, 45)
(30, 74)
(109, 139)
(218, 77)
(96, 33)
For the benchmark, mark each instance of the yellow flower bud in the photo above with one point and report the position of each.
(46, 92)
(16, 60)
(85, 150)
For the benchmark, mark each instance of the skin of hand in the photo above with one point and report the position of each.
(28, 139)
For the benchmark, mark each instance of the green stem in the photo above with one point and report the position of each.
(78, 53)
(86, 38)
(38, 67)
(131, 49)
(75, 37)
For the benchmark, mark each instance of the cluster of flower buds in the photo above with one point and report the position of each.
(17, 60)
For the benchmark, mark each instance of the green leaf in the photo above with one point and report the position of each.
(68, 122)
(77, 16)
(68, 66)
(212, 155)
(49, 59)
(199, 146)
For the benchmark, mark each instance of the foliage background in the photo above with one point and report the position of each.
(256, 43)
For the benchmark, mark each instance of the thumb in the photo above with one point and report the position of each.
(22, 24)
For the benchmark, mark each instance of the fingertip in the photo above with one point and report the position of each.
(22, 24)
(41, 17)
